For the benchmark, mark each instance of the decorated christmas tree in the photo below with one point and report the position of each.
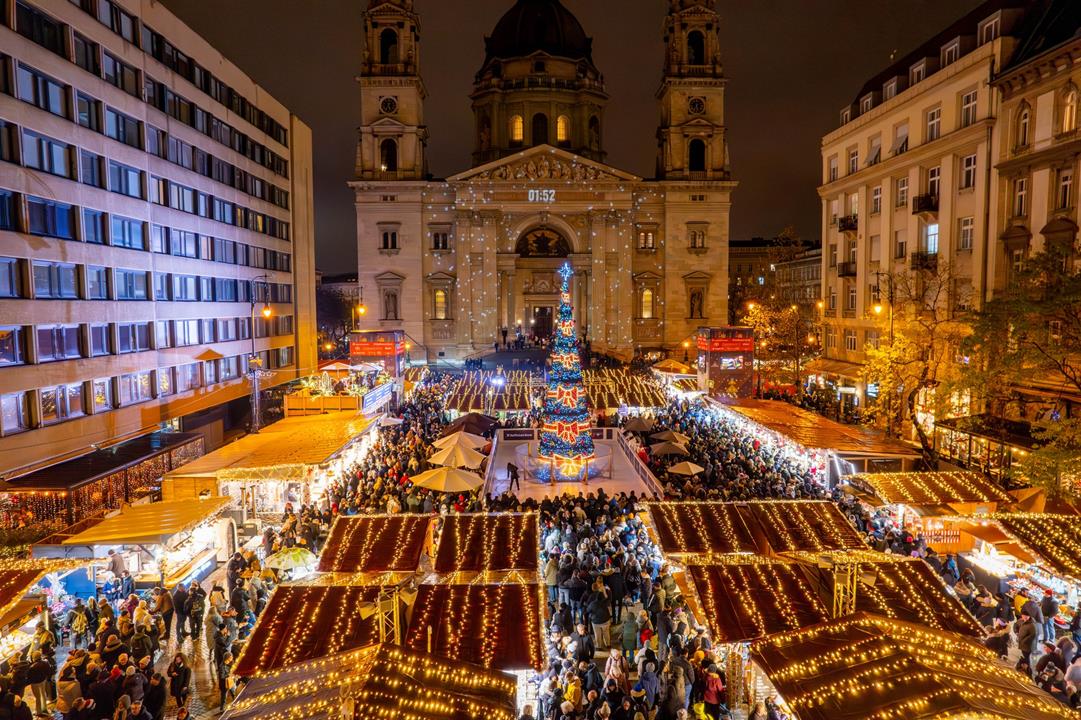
(565, 437)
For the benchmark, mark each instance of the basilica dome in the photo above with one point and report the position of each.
(539, 26)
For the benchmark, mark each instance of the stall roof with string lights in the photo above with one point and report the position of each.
(488, 542)
(868, 667)
(495, 625)
(286, 450)
(374, 543)
(764, 527)
(929, 493)
(743, 597)
(304, 622)
(814, 431)
(19, 576)
(378, 680)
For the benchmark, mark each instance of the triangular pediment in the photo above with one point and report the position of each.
(697, 275)
(389, 276)
(544, 163)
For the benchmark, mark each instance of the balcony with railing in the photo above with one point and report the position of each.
(848, 223)
(924, 260)
(846, 269)
(924, 204)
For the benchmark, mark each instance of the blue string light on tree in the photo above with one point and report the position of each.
(565, 435)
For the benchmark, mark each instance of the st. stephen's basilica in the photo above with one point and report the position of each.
(452, 262)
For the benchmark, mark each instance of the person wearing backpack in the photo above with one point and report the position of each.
(196, 609)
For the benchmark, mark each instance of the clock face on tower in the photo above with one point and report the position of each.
(696, 105)
(388, 105)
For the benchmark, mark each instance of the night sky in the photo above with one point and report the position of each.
(791, 66)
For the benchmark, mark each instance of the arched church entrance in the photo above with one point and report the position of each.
(541, 251)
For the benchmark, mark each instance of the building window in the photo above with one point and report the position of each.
(12, 345)
(832, 172)
(989, 30)
(850, 341)
(876, 200)
(45, 154)
(54, 280)
(968, 172)
(696, 236)
(846, 116)
(97, 282)
(950, 53)
(934, 124)
(875, 248)
(136, 387)
(833, 255)
(1064, 197)
(1069, 111)
(563, 130)
(902, 192)
(10, 279)
(853, 160)
(88, 112)
(127, 233)
(889, 89)
(900, 244)
(966, 228)
(1020, 197)
(51, 219)
(121, 75)
(934, 176)
(99, 340)
(86, 54)
(517, 129)
(388, 47)
(439, 301)
(102, 394)
(440, 240)
(850, 298)
(14, 417)
(930, 238)
(131, 285)
(647, 238)
(166, 386)
(647, 304)
(968, 108)
(123, 128)
(60, 342)
(40, 90)
(696, 48)
(35, 25)
(875, 153)
(900, 139)
(388, 156)
(389, 240)
(697, 153)
(1023, 119)
(61, 403)
(916, 73)
(90, 172)
(187, 332)
(831, 338)
(866, 103)
(125, 180)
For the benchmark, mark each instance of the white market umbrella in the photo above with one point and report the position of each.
(389, 420)
(676, 437)
(292, 558)
(668, 448)
(461, 438)
(448, 480)
(685, 467)
(639, 424)
(457, 456)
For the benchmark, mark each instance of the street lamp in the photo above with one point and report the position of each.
(254, 362)
(686, 347)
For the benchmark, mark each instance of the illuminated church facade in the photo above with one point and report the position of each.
(453, 262)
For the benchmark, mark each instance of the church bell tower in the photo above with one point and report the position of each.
(393, 138)
(691, 139)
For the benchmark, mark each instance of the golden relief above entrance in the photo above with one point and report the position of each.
(542, 243)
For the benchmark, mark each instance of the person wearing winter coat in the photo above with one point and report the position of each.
(154, 697)
(714, 694)
(179, 673)
(998, 638)
(650, 683)
(68, 690)
(618, 669)
(1027, 638)
(134, 684)
(1049, 608)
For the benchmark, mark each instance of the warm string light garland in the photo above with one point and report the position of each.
(931, 488)
(485, 543)
(355, 540)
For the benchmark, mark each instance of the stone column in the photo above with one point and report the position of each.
(512, 320)
(598, 287)
(463, 296)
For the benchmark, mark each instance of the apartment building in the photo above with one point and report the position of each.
(155, 229)
(908, 184)
(799, 281)
(1038, 148)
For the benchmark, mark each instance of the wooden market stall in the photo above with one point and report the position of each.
(289, 461)
(162, 543)
(483, 542)
(869, 667)
(379, 680)
(1029, 552)
(25, 594)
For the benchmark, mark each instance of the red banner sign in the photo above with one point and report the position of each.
(361, 348)
(726, 344)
